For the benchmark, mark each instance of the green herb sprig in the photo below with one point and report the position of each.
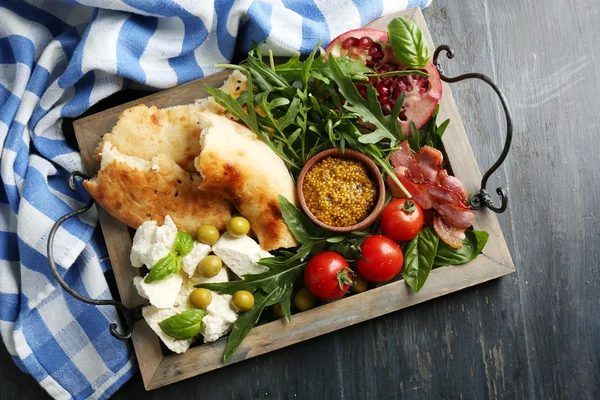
(170, 264)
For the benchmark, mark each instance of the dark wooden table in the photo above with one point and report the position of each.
(533, 334)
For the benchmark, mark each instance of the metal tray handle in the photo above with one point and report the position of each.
(129, 315)
(483, 197)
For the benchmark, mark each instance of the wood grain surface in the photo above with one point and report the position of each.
(532, 335)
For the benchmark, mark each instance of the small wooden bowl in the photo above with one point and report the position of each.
(374, 174)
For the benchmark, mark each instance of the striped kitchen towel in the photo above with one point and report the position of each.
(57, 58)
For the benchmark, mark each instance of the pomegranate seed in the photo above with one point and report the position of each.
(382, 100)
(373, 81)
(351, 41)
(383, 90)
(386, 108)
(376, 56)
(366, 42)
(401, 87)
(370, 63)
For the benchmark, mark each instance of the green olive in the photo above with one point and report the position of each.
(304, 300)
(243, 300)
(238, 226)
(200, 298)
(360, 284)
(208, 234)
(210, 266)
(277, 310)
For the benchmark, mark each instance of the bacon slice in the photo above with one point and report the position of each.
(405, 158)
(432, 188)
(430, 162)
(419, 194)
(453, 184)
(450, 234)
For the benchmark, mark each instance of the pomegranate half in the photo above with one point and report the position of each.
(372, 47)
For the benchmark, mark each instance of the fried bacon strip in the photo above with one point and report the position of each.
(432, 188)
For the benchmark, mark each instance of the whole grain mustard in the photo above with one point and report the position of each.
(339, 192)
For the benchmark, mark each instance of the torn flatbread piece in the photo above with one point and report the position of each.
(144, 132)
(134, 190)
(237, 165)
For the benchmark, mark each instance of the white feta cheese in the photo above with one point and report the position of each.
(162, 294)
(154, 316)
(188, 286)
(152, 242)
(219, 318)
(240, 254)
(189, 263)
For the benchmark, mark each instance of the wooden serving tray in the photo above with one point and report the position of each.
(159, 369)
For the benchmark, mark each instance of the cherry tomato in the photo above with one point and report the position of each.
(328, 276)
(402, 220)
(381, 259)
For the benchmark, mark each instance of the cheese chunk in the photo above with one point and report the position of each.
(240, 254)
(162, 294)
(154, 316)
(152, 242)
(219, 318)
(189, 263)
(188, 286)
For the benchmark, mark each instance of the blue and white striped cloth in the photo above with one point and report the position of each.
(56, 60)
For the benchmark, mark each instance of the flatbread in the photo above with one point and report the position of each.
(134, 190)
(144, 132)
(237, 165)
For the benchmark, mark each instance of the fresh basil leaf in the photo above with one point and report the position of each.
(336, 239)
(183, 244)
(248, 319)
(299, 224)
(183, 326)
(418, 258)
(408, 44)
(473, 244)
(164, 268)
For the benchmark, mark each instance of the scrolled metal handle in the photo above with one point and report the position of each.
(130, 315)
(482, 198)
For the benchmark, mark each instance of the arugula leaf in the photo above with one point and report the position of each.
(299, 224)
(286, 307)
(369, 109)
(247, 320)
(473, 244)
(183, 244)
(408, 44)
(265, 281)
(349, 248)
(232, 106)
(183, 326)
(165, 267)
(418, 258)
(442, 128)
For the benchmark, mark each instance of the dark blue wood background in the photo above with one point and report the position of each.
(533, 334)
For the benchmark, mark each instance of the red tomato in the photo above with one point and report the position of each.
(381, 259)
(328, 276)
(402, 220)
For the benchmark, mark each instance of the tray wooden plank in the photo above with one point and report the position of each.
(159, 370)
